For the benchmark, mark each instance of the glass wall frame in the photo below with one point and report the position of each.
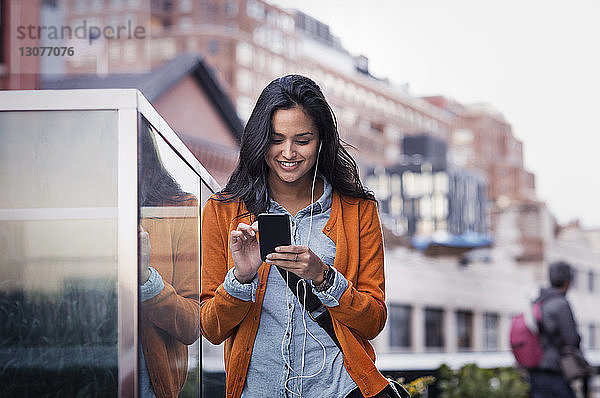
(130, 107)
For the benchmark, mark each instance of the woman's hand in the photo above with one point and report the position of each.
(245, 251)
(144, 260)
(300, 260)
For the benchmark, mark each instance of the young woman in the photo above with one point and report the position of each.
(290, 155)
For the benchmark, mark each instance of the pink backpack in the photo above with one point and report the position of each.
(525, 336)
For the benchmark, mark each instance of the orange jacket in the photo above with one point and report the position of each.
(169, 322)
(355, 228)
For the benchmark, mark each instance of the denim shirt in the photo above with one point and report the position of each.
(281, 331)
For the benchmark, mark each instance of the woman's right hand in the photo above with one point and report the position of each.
(245, 251)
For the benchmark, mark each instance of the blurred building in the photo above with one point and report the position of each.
(18, 71)
(251, 42)
(434, 203)
(482, 139)
(444, 310)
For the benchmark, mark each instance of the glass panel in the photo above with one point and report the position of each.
(213, 365)
(490, 330)
(169, 263)
(58, 253)
(400, 326)
(464, 329)
(434, 328)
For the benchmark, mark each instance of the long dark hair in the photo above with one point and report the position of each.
(156, 185)
(248, 182)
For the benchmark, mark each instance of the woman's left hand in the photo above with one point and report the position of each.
(300, 260)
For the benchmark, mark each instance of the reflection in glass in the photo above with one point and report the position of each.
(213, 366)
(169, 263)
(58, 253)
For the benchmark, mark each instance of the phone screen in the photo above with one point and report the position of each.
(273, 231)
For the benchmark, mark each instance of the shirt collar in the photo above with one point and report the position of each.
(322, 204)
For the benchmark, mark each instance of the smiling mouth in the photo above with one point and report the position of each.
(288, 164)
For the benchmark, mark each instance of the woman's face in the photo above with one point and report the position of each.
(293, 149)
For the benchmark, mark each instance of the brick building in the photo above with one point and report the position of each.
(18, 71)
(251, 42)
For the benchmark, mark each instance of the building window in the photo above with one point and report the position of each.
(185, 24)
(440, 206)
(592, 337)
(231, 8)
(97, 5)
(574, 279)
(191, 45)
(130, 51)
(213, 46)
(441, 182)
(277, 66)
(244, 53)
(425, 207)
(400, 326)
(425, 227)
(80, 6)
(113, 20)
(591, 281)
(114, 50)
(255, 10)
(130, 18)
(244, 81)
(464, 330)
(244, 107)
(490, 331)
(434, 328)
(2, 34)
(186, 6)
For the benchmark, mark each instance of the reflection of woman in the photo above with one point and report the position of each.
(168, 275)
(272, 347)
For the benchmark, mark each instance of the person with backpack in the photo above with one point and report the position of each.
(558, 330)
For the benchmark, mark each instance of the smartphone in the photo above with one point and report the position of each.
(273, 231)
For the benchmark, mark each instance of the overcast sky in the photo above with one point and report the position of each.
(535, 61)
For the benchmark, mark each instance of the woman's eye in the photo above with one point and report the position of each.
(303, 142)
(276, 141)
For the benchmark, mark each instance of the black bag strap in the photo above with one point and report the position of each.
(324, 320)
(313, 303)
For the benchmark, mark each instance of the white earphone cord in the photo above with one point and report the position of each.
(289, 314)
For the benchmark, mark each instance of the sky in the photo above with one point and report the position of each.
(537, 62)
